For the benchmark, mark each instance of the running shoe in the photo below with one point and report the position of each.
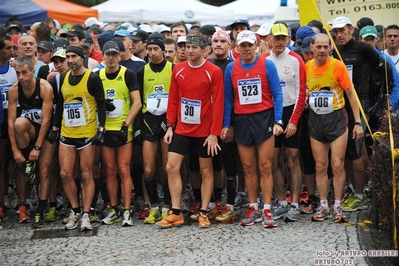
(164, 214)
(203, 221)
(339, 216)
(194, 216)
(321, 214)
(85, 222)
(23, 215)
(30, 170)
(288, 196)
(345, 203)
(226, 217)
(93, 216)
(195, 207)
(51, 215)
(356, 204)
(304, 197)
(310, 207)
(241, 202)
(251, 216)
(127, 218)
(215, 211)
(280, 211)
(267, 219)
(113, 217)
(171, 220)
(292, 214)
(368, 189)
(38, 223)
(153, 217)
(73, 220)
(145, 211)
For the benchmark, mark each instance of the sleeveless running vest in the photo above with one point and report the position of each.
(31, 107)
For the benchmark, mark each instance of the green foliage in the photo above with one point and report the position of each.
(88, 3)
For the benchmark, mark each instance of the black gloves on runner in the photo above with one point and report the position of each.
(109, 106)
(98, 139)
(123, 134)
(53, 136)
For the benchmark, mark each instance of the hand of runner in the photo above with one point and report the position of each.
(213, 145)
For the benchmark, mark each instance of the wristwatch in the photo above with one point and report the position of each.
(101, 129)
(169, 125)
(38, 148)
(359, 123)
(279, 122)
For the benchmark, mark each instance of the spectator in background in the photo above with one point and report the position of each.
(14, 29)
(90, 51)
(170, 49)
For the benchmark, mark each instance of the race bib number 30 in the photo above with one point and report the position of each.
(74, 114)
(321, 102)
(250, 91)
(190, 111)
(157, 103)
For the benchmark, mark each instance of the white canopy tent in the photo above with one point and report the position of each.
(145, 11)
(255, 11)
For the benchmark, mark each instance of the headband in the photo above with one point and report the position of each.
(196, 41)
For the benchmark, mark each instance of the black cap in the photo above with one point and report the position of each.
(364, 22)
(139, 35)
(207, 29)
(72, 32)
(317, 24)
(60, 42)
(120, 43)
(111, 46)
(88, 40)
(46, 45)
(156, 38)
(12, 25)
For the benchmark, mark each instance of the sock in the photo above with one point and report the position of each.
(176, 211)
(359, 196)
(41, 207)
(165, 209)
(231, 190)
(296, 205)
(351, 187)
(282, 203)
(324, 204)
(267, 206)
(337, 203)
(76, 210)
(53, 204)
(151, 186)
(204, 212)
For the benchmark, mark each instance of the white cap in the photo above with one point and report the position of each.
(246, 36)
(181, 39)
(145, 27)
(264, 29)
(57, 24)
(129, 26)
(93, 21)
(340, 22)
(162, 28)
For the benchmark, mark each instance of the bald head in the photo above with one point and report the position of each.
(27, 46)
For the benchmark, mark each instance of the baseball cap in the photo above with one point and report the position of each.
(122, 33)
(368, 31)
(246, 36)
(93, 21)
(221, 34)
(207, 29)
(72, 32)
(240, 21)
(365, 21)
(59, 53)
(111, 46)
(88, 40)
(317, 24)
(305, 31)
(340, 22)
(163, 28)
(279, 30)
(46, 45)
(145, 27)
(181, 39)
(194, 26)
(60, 42)
(139, 35)
(264, 30)
(305, 44)
(14, 26)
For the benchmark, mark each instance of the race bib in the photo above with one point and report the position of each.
(74, 115)
(34, 115)
(4, 96)
(321, 102)
(157, 103)
(350, 71)
(118, 109)
(190, 111)
(250, 91)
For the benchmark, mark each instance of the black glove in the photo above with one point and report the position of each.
(98, 139)
(53, 136)
(109, 106)
(123, 134)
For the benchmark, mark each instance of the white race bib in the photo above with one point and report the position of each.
(190, 111)
(34, 115)
(4, 96)
(321, 102)
(157, 103)
(118, 109)
(250, 91)
(74, 115)
(350, 71)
